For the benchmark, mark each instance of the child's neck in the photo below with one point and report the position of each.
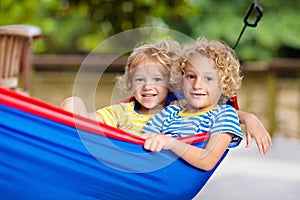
(148, 111)
(191, 109)
(145, 111)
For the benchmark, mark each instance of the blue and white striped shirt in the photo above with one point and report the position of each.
(173, 121)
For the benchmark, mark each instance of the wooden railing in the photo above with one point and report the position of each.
(281, 80)
(111, 63)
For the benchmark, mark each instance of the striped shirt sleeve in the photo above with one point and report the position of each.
(109, 115)
(227, 121)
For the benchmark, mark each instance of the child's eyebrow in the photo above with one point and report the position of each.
(190, 70)
(209, 73)
(206, 73)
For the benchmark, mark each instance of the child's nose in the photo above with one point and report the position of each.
(147, 84)
(199, 83)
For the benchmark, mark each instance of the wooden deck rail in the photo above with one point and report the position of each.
(272, 70)
(50, 61)
(277, 65)
(109, 63)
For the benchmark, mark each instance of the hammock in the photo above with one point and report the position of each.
(47, 153)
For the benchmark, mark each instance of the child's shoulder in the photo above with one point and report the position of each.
(126, 105)
(226, 108)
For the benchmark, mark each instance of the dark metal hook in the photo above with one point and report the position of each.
(259, 15)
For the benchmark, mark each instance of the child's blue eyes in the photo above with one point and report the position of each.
(192, 76)
(154, 79)
(207, 78)
(139, 79)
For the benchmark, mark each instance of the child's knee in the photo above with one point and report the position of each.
(72, 103)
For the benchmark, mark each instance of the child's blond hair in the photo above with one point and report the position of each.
(167, 53)
(225, 61)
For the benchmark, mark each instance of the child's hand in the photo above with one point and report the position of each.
(157, 142)
(254, 128)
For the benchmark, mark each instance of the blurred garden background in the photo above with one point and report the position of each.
(71, 29)
(269, 55)
(77, 26)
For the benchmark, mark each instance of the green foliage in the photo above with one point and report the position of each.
(74, 26)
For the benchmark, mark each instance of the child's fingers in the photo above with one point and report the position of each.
(147, 144)
(248, 140)
(264, 144)
(154, 143)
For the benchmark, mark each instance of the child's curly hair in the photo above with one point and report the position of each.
(224, 58)
(167, 53)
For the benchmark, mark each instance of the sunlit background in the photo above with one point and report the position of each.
(269, 54)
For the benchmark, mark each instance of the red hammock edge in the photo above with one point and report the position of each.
(42, 109)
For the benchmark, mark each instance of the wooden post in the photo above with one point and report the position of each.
(272, 101)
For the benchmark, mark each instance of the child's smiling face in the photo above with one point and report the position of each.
(201, 86)
(150, 81)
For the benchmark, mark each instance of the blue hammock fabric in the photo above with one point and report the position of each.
(41, 158)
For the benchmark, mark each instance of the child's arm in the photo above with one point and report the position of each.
(76, 105)
(204, 159)
(254, 128)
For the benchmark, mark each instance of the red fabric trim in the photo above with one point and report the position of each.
(234, 101)
(48, 111)
(195, 138)
(40, 108)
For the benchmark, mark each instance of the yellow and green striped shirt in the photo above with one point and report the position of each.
(124, 116)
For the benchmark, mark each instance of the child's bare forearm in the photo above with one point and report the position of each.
(255, 129)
